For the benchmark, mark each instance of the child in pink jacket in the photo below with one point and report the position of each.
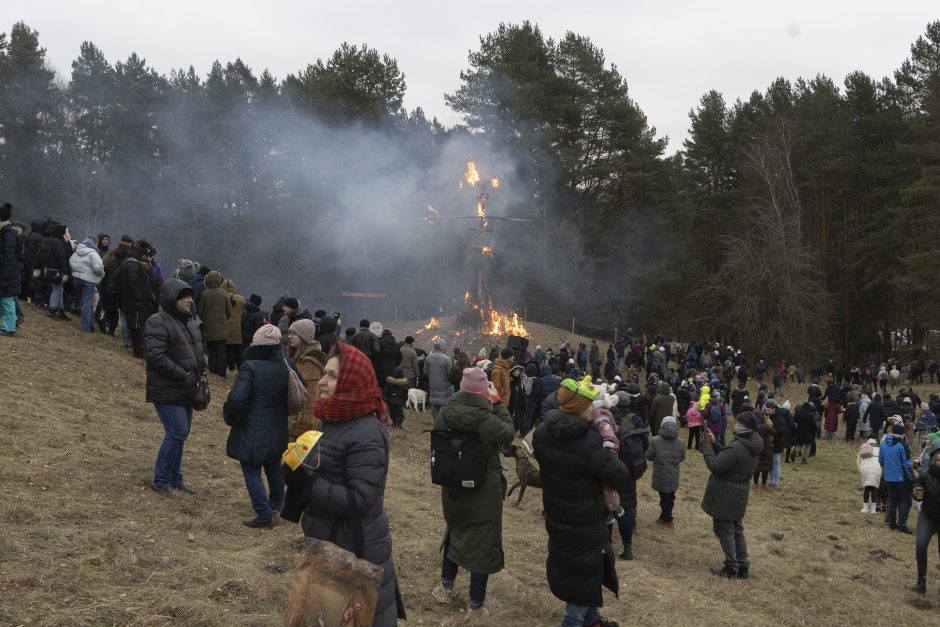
(693, 418)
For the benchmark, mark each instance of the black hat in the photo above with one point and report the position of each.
(292, 302)
(748, 419)
(255, 300)
(6, 211)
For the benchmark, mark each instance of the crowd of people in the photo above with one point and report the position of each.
(592, 424)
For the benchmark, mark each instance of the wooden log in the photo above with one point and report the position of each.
(332, 588)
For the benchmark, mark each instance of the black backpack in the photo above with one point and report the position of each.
(458, 458)
(633, 444)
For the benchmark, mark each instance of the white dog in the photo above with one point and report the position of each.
(417, 399)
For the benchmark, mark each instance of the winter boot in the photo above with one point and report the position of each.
(444, 595)
(627, 553)
(921, 585)
(724, 572)
(864, 509)
(744, 572)
(60, 315)
(259, 523)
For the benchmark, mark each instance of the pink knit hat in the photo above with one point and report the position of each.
(266, 335)
(474, 381)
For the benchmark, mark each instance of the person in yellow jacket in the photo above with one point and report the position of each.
(500, 373)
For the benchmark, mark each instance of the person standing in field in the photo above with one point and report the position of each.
(727, 491)
(927, 492)
(175, 360)
(666, 452)
(215, 308)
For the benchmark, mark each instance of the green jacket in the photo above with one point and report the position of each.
(473, 538)
(214, 309)
(732, 469)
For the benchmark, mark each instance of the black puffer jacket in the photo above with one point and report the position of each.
(55, 251)
(574, 468)
(327, 337)
(9, 264)
(37, 235)
(252, 320)
(929, 480)
(137, 287)
(353, 457)
(256, 407)
(172, 372)
(805, 424)
(389, 357)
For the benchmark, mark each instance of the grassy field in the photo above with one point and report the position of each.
(83, 541)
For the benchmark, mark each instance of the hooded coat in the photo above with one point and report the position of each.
(805, 419)
(256, 407)
(732, 468)
(409, 362)
(768, 435)
(173, 350)
(389, 357)
(214, 309)
(309, 364)
(252, 319)
(327, 337)
(869, 470)
(575, 467)
(663, 405)
(929, 480)
(473, 538)
(666, 451)
(85, 264)
(500, 378)
(238, 303)
(137, 288)
(54, 252)
(9, 264)
(545, 385)
(437, 369)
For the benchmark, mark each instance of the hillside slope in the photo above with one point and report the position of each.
(85, 542)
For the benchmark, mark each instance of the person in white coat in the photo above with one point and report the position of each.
(87, 272)
(869, 473)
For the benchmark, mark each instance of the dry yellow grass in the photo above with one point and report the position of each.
(84, 542)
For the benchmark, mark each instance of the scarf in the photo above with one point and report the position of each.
(357, 393)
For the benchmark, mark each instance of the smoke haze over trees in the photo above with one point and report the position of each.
(317, 183)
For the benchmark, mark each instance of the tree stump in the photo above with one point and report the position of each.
(332, 588)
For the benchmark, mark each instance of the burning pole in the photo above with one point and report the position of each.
(479, 312)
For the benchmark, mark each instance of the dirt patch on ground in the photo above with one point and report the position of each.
(85, 542)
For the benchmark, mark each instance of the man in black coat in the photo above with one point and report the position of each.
(366, 341)
(728, 488)
(575, 467)
(389, 357)
(137, 287)
(175, 360)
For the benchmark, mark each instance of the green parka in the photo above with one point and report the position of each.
(473, 538)
(214, 309)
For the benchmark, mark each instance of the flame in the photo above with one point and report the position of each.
(471, 175)
(488, 251)
(481, 212)
(433, 323)
(494, 183)
(432, 215)
(504, 324)
(436, 338)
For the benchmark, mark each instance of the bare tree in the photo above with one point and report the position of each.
(768, 295)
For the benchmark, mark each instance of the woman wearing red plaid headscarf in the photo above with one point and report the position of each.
(342, 483)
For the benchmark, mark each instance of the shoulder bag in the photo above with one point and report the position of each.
(203, 396)
(298, 397)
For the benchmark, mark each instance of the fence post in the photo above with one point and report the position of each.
(572, 325)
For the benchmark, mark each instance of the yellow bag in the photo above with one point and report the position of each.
(298, 450)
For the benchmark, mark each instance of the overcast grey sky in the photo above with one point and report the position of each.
(670, 52)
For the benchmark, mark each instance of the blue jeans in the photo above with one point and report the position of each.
(579, 615)
(55, 300)
(626, 524)
(8, 313)
(86, 291)
(478, 582)
(125, 331)
(176, 419)
(265, 506)
(775, 473)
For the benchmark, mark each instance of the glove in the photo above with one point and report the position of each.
(191, 379)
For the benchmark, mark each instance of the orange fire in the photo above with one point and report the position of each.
(494, 183)
(433, 323)
(471, 175)
(504, 324)
(487, 251)
(481, 212)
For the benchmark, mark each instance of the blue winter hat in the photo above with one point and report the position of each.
(398, 373)
(89, 242)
